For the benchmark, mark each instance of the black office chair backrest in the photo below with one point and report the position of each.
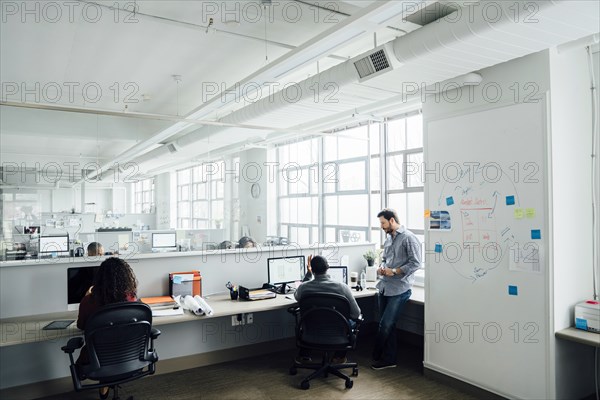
(324, 321)
(117, 338)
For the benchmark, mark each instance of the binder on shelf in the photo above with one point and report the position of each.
(184, 283)
(157, 301)
(256, 294)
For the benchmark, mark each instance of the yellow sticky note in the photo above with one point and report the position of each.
(427, 213)
(518, 213)
(530, 212)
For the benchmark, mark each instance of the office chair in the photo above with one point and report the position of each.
(120, 342)
(322, 323)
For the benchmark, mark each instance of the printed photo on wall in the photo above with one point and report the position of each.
(440, 221)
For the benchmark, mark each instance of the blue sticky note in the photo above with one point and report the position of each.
(536, 234)
(510, 200)
(512, 290)
(177, 279)
(449, 201)
(581, 323)
(438, 248)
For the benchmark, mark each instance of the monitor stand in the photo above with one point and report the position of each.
(279, 289)
(282, 288)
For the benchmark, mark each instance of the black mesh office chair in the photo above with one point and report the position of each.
(322, 323)
(120, 343)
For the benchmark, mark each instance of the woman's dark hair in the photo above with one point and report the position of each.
(388, 214)
(114, 282)
(245, 242)
(319, 265)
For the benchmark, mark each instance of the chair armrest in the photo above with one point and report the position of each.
(155, 333)
(294, 310)
(73, 344)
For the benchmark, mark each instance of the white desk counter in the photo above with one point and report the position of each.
(580, 336)
(28, 329)
(267, 250)
(22, 330)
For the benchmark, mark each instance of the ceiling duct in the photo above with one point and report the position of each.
(432, 13)
(436, 52)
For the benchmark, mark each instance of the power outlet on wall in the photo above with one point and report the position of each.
(237, 320)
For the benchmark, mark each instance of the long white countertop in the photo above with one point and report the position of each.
(141, 256)
(28, 329)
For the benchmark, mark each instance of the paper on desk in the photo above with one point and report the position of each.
(165, 312)
(178, 278)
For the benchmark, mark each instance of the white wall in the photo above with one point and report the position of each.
(571, 192)
(565, 79)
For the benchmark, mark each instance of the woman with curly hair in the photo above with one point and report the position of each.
(114, 282)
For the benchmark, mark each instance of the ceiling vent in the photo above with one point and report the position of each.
(373, 64)
(172, 148)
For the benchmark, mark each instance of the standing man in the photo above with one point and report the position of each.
(401, 258)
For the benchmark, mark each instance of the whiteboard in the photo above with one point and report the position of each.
(486, 316)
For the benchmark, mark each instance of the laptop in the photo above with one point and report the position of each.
(338, 274)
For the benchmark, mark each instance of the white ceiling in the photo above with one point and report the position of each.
(139, 54)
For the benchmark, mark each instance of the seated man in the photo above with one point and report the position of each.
(95, 249)
(322, 283)
(246, 242)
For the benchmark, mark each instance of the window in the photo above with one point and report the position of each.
(404, 160)
(298, 190)
(330, 188)
(200, 196)
(143, 196)
(345, 175)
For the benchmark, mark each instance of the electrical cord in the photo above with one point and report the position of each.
(594, 161)
(594, 198)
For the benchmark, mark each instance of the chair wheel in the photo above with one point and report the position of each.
(354, 371)
(304, 385)
(349, 384)
(293, 371)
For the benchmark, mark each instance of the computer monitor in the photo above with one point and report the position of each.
(31, 230)
(79, 280)
(54, 244)
(338, 274)
(164, 241)
(284, 270)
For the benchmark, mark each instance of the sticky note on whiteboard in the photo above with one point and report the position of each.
(513, 290)
(438, 248)
(510, 200)
(449, 201)
(536, 234)
(530, 212)
(427, 213)
(518, 213)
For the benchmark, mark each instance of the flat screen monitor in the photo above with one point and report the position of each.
(164, 240)
(54, 244)
(338, 274)
(79, 280)
(284, 270)
(31, 230)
